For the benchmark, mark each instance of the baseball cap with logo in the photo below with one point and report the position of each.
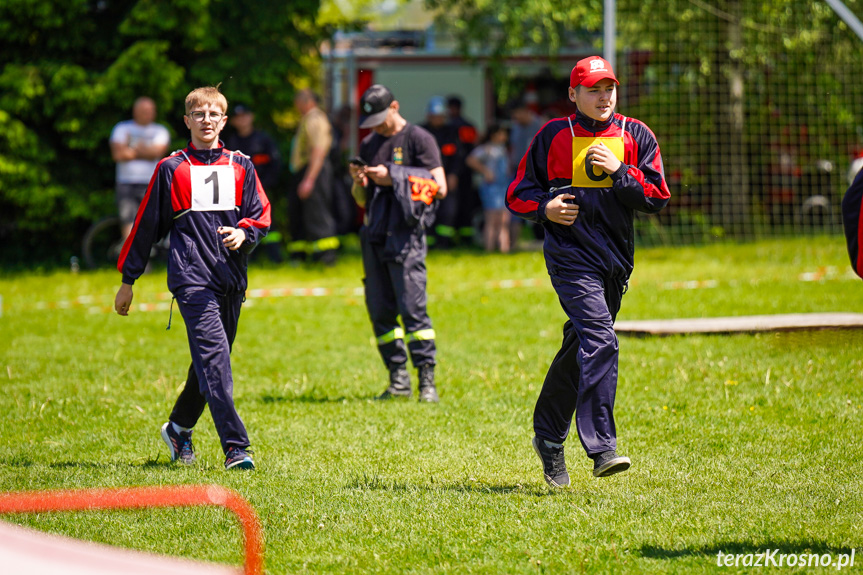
(374, 106)
(591, 70)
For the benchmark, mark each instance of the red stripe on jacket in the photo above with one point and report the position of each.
(128, 243)
(264, 221)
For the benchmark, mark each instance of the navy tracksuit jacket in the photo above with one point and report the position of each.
(852, 220)
(589, 262)
(191, 194)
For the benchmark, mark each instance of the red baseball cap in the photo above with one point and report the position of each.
(591, 70)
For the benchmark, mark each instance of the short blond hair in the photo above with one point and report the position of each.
(206, 95)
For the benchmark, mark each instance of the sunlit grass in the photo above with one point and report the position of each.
(738, 442)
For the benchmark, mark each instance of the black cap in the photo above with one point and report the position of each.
(374, 105)
(242, 109)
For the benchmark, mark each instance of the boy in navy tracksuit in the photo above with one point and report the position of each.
(852, 219)
(581, 178)
(211, 202)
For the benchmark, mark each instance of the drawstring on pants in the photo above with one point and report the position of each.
(170, 314)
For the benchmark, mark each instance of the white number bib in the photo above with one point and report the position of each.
(213, 188)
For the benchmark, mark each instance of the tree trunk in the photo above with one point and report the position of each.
(732, 205)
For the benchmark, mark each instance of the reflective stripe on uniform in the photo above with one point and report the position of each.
(298, 246)
(272, 238)
(445, 231)
(421, 335)
(391, 336)
(324, 244)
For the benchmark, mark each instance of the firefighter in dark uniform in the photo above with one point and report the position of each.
(446, 136)
(469, 203)
(310, 196)
(398, 178)
(264, 153)
(582, 178)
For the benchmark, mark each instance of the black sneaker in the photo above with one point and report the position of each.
(608, 463)
(428, 392)
(179, 444)
(553, 464)
(239, 458)
(400, 383)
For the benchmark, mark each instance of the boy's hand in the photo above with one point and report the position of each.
(559, 212)
(234, 237)
(123, 300)
(602, 156)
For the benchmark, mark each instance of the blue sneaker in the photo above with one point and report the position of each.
(239, 458)
(179, 444)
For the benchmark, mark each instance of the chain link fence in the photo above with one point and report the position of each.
(757, 110)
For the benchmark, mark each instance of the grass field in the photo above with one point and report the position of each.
(739, 443)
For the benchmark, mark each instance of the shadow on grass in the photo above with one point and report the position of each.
(377, 483)
(158, 462)
(807, 546)
(310, 398)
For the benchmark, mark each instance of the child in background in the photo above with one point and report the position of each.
(491, 160)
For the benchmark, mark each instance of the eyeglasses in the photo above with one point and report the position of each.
(199, 116)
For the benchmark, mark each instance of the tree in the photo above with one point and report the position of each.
(72, 68)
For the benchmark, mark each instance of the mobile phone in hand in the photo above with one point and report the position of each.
(358, 161)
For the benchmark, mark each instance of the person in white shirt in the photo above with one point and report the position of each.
(137, 145)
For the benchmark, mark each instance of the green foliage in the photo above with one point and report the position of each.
(71, 70)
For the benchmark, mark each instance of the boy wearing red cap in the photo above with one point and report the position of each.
(581, 179)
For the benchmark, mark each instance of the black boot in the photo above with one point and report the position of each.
(400, 383)
(428, 393)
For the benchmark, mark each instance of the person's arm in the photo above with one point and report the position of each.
(151, 224)
(642, 187)
(441, 179)
(427, 154)
(255, 214)
(154, 151)
(319, 134)
(119, 142)
(121, 152)
(359, 184)
(529, 193)
(475, 162)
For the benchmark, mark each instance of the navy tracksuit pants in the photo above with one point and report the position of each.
(582, 379)
(395, 289)
(211, 324)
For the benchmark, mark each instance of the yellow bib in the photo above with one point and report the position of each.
(585, 174)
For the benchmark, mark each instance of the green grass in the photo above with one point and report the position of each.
(739, 443)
